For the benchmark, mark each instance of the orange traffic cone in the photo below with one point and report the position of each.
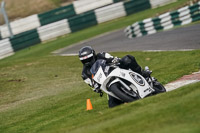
(89, 105)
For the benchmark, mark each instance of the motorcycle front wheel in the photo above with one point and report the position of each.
(158, 87)
(115, 88)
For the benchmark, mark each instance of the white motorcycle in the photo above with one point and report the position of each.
(123, 84)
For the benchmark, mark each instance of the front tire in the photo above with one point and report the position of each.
(158, 87)
(115, 88)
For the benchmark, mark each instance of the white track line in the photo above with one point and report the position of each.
(178, 84)
(185, 80)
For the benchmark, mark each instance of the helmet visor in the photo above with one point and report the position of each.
(89, 61)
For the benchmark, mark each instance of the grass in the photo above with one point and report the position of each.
(23, 8)
(40, 92)
(162, 113)
(61, 2)
(48, 95)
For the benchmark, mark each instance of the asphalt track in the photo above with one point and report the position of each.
(184, 38)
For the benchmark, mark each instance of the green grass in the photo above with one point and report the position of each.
(24, 8)
(40, 92)
(48, 95)
(60, 2)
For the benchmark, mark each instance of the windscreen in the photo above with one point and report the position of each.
(95, 67)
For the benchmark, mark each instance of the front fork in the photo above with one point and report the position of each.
(151, 81)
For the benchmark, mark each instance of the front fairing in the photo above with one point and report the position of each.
(95, 67)
(98, 71)
(141, 85)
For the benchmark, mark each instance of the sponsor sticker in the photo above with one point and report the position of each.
(138, 79)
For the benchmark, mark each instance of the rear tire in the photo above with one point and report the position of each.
(115, 88)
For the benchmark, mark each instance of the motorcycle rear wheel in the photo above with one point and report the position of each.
(115, 88)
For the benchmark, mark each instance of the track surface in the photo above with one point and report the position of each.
(185, 38)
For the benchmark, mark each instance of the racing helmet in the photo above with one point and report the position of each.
(87, 55)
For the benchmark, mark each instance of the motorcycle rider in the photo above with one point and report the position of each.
(88, 57)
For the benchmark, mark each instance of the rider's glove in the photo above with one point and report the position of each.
(115, 60)
(146, 73)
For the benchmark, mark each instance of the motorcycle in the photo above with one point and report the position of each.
(125, 85)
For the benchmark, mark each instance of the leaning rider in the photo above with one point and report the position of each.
(88, 57)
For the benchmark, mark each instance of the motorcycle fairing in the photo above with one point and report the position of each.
(139, 82)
